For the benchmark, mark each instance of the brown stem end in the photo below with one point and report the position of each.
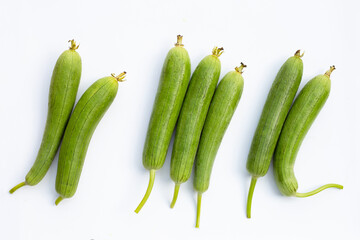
(217, 51)
(73, 45)
(298, 54)
(240, 68)
(179, 41)
(328, 72)
(120, 77)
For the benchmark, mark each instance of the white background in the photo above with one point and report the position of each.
(135, 36)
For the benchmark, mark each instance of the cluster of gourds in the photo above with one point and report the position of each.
(203, 112)
(200, 108)
(283, 125)
(76, 128)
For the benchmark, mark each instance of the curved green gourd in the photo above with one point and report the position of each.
(277, 105)
(62, 95)
(192, 117)
(88, 112)
(174, 80)
(222, 108)
(306, 107)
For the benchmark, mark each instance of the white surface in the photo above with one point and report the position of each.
(135, 36)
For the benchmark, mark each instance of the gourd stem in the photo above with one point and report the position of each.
(58, 200)
(308, 194)
(198, 209)
(120, 77)
(148, 191)
(328, 72)
(240, 68)
(179, 41)
(73, 45)
(298, 54)
(250, 196)
(176, 192)
(217, 51)
(17, 187)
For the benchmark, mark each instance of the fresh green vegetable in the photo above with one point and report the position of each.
(192, 117)
(63, 89)
(171, 91)
(222, 108)
(306, 107)
(277, 105)
(88, 112)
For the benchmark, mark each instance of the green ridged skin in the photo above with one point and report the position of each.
(88, 112)
(306, 107)
(174, 81)
(192, 117)
(62, 95)
(222, 108)
(277, 106)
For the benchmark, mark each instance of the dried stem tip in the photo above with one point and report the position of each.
(179, 41)
(328, 72)
(240, 68)
(298, 54)
(120, 77)
(73, 45)
(217, 51)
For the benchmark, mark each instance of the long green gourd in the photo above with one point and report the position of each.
(174, 80)
(222, 108)
(88, 112)
(277, 106)
(192, 117)
(306, 107)
(62, 95)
